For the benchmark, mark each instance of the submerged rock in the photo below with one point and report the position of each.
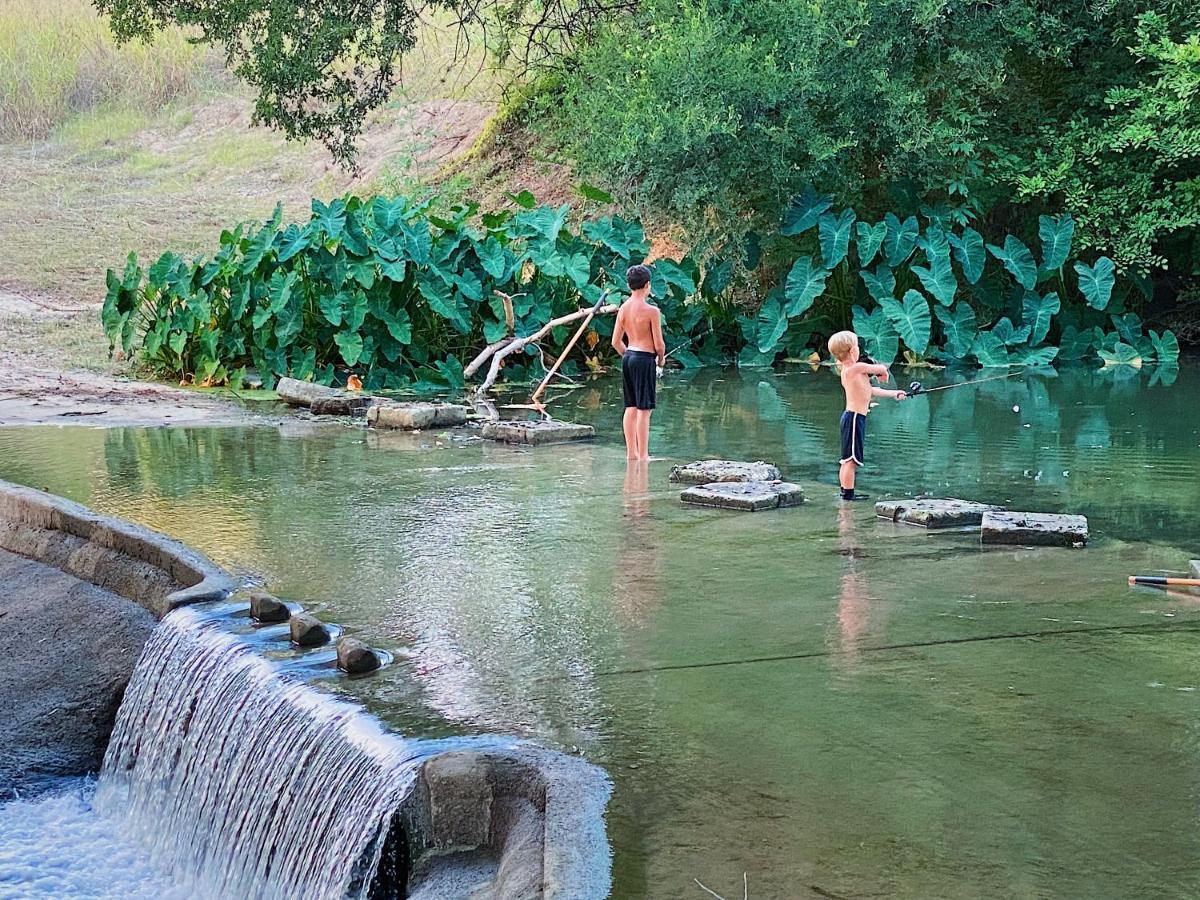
(268, 608)
(355, 657)
(414, 416)
(1034, 529)
(537, 433)
(750, 496)
(709, 471)
(930, 512)
(304, 393)
(309, 631)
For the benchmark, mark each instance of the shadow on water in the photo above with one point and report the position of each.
(836, 705)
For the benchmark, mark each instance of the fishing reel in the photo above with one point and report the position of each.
(915, 388)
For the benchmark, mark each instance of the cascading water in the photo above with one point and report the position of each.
(247, 783)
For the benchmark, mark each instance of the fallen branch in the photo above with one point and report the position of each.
(509, 324)
(516, 344)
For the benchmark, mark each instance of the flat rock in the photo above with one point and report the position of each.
(1034, 529)
(414, 416)
(355, 657)
(537, 433)
(346, 405)
(309, 631)
(929, 512)
(744, 495)
(1196, 568)
(304, 393)
(268, 608)
(709, 471)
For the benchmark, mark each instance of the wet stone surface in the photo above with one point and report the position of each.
(749, 496)
(537, 433)
(355, 657)
(309, 631)
(929, 512)
(415, 416)
(709, 471)
(346, 405)
(1034, 529)
(1196, 568)
(268, 608)
(305, 393)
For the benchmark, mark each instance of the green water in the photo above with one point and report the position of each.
(832, 704)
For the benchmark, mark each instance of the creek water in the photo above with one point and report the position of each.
(832, 704)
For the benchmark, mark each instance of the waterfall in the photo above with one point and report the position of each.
(245, 780)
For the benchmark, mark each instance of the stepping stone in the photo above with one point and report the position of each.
(1196, 568)
(1034, 529)
(309, 631)
(929, 512)
(346, 405)
(537, 433)
(304, 393)
(750, 496)
(268, 608)
(708, 471)
(355, 657)
(414, 416)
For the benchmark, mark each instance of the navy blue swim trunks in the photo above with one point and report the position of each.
(854, 429)
(639, 376)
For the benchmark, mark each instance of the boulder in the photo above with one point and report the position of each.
(346, 405)
(931, 512)
(750, 496)
(1034, 529)
(537, 433)
(304, 393)
(355, 657)
(709, 471)
(414, 416)
(268, 608)
(309, 631)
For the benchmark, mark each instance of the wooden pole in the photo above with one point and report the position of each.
(570, 345)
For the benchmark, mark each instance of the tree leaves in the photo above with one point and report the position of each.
(1038, 312)
(1018, 260)
(990, 350)
(911, 319)
(1166, 346)
(900, 239)
(1010, 334)
(960, 327)
(939, 278)
(881, 284)
(805, 283)
(1055, 234)
(772, 323)
(804, 212)
(1096, 282)
(969, 251)
(870, 239)
(350, 343)
(881, 339)
(834, 234)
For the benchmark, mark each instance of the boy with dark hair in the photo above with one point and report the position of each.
(637, 338)
(856, 380)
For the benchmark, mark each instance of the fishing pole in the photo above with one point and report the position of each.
(917, 388)
(1161, 581)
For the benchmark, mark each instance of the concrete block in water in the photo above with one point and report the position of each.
(414, 416)
(304, 393)
(460, 801)
(355, 657)
(750, 496)
(268, 608)
(1196, 568)
(710, 471)
(537, 433)
(1034, 529)
(346, 405)
(309, 631)
(930, 512)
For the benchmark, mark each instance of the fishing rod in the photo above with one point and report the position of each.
(917, 388)
(1163, 581)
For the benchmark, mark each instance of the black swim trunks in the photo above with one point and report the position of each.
(854, 429)
(639, 374)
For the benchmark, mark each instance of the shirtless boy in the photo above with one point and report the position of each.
(856, 379)
(638, 338)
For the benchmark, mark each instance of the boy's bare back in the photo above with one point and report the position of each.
(640, 323)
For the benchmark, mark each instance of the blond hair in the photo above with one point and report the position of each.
(842, 343)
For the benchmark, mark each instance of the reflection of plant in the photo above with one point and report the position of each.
(900, 267)
(384, 287)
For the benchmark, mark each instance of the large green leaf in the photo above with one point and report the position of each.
(1121, 354)
(870, 239)
(772, 323)
(1033, 356)
(938, 278)
(493, 257)
(990, 350)
(1055, 233)
(717, 277)
(1038, 312)
(960, 327)
(1096, 282)
(1166, 346)
(882, 341)
(901, 238)
(910, 317)
(350, 343)
(1128, 326)
(331, 219)
(834, 235)
(969, 251)
(804, 212)
(805, 283)
(1018, 260)
(439, 296)
(675, 274)
(332, 307)
(1009, 333)
(1074, 344)
(881, 284)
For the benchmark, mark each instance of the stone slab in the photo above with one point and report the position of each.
(415, 416)
(930, 512)
(537, 433)
(1196, 568)
(709, 471)
(346, 405)
(750, 496)
(1034, 529)
(303, 393)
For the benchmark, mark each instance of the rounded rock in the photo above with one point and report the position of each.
(355, 657)
(268, 608)
(309, 631)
